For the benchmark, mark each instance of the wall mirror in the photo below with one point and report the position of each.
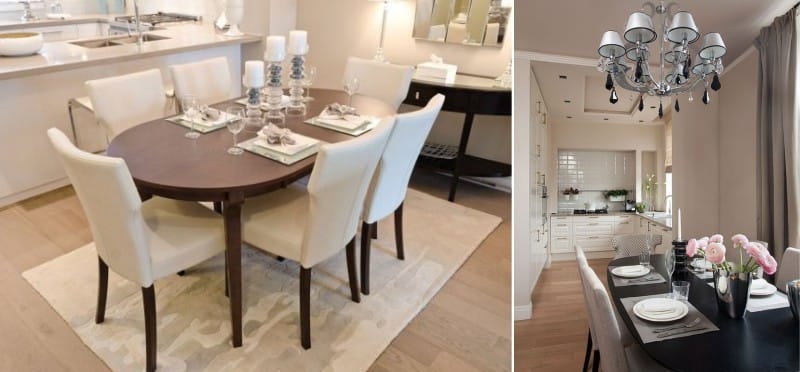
(466, 22)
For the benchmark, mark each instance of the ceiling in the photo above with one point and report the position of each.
(564, 28)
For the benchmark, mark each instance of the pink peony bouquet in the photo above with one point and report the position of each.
(713, 249)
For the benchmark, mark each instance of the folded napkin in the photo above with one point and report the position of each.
(342, 116)
(659, 306)
(759, 284)
(775, 301)
(282, 140)
(208, 117)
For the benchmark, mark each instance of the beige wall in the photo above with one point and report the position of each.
(572, 135)
(342, 28)
(737, 136)
(695, 165)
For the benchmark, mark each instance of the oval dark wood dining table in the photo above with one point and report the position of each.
(762, 341)
(165, 163)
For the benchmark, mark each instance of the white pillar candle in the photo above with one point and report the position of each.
(254, 74)
(679, 225)
(297, 42)
(276, 49)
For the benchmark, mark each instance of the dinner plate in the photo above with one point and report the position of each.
(761, 287)
(660, 309)
(634, 271)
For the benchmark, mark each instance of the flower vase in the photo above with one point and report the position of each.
(567, 197)
(733, 292)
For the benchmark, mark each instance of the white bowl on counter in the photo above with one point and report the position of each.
(20, 43)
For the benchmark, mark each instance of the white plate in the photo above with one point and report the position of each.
(670, 310)
(634, 271)
(761, 287)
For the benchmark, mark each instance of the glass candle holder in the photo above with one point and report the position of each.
(274, 114)
(297, 104)
(253, 121)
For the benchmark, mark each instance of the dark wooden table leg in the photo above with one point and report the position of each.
(232, 212)
(462, 149)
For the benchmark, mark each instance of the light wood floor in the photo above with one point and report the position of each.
(466, 327)
(554, 339)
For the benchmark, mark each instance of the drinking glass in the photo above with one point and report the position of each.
(669, 262)
(644, 257)
(191, 112)
(351, 87)
(311, 74)
(680, 290)
(235, 125)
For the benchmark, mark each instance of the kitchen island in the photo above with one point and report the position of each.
(36, 89)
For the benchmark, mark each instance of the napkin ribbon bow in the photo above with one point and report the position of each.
(276, 135)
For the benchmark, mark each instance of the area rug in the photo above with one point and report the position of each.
(193, 315)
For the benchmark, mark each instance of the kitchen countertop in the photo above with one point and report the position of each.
(661, 221)
(61, 55)
(45, 22)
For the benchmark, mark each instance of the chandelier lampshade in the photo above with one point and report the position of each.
(611, 45)
(675, 69)
(640, 28)
(683, 28)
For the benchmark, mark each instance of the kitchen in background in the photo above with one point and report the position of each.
(593, 174)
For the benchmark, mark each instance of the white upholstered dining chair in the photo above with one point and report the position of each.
(142, 242)
(310, 225)
(390, 183)
(121, 102)
(209, 80)
(384, 81)
(615, 355)
(591, 342)
(789, 269)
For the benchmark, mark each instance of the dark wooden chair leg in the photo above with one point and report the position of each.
(305, 307)
(182, 273)
(352, 272)
(227, 275)
(588, 352)
(398, 232)
(150, 340)
(366, 232)
(102, 291)
(596, 361)
(218, 207)
(374, 230)
(280, 258)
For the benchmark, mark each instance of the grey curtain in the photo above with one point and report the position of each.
(778, 184)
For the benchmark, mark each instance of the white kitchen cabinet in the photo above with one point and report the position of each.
(625, 225)
(592, 233)
(561, 236)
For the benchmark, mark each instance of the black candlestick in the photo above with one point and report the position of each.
(681, 263)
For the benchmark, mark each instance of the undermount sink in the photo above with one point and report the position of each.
(657, 215)
(108, 42)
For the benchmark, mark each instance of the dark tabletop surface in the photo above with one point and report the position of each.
(762, 341)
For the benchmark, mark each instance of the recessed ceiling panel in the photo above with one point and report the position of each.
(596, 97)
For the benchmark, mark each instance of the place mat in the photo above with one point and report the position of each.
(653, 278)
(755, 304)
(645, 328)
(198, 126)
(250, 146)
(373, 122)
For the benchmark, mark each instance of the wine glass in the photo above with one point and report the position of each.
(311, 74)
(351, 87)
(235, 124)
(191, 112)
(669, 262)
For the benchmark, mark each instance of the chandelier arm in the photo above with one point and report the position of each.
(689, 86)
(621, 80)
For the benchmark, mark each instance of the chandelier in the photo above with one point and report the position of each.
(675, 74)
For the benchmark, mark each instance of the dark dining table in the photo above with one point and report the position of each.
(761, 341)
(165, 163)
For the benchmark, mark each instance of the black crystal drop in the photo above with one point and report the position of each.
(609, 82)
(677, 106)
(614, 97)
(660, 110)
(638, 71)
(715, 83)
(641, 104)
(706, 97)
(687, 67)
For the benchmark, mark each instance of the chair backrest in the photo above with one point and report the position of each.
(789, 269)
(456, 33)
(384, 81)
(587, 295)
(106, 191)
(208, 80)
(605, 327)
(390, 183)
(337, 187)
(120, 102)
(632, 245)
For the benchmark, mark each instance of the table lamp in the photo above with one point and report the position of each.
(379, 57)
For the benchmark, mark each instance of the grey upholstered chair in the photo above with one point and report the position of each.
(614, 354)
(789, 269)
(632, 245)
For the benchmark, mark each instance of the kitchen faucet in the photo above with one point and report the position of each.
(27, 15)
(139, 37)
(668, 204)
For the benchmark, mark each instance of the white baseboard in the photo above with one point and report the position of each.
(20, 196)
(523, 312)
